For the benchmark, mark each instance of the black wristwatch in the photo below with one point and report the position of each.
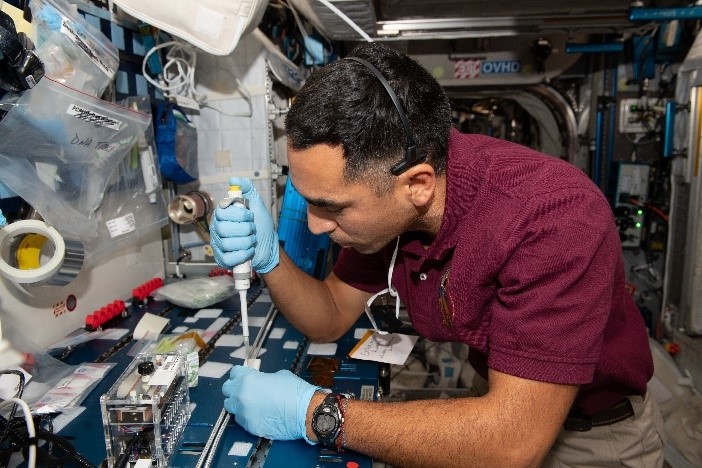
(328, 420)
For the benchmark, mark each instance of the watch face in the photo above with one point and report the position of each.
(325, 422)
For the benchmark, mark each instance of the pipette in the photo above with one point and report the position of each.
(242, 278)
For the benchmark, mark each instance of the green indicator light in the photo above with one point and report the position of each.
(638, 225)
(640, 212)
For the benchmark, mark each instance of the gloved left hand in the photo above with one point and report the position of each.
(3, 221)
(273, 406)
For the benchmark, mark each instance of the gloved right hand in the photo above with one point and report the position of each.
(239, 234)
(270, 405)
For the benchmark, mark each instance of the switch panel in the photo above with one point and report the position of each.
(631, 116)
(632, 193)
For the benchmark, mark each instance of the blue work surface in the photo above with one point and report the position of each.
(285, 348)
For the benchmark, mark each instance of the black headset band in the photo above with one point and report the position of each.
(410, 148)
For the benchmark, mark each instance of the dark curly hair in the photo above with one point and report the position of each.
(344, 104)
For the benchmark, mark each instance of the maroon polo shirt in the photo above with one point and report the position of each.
(532, 269)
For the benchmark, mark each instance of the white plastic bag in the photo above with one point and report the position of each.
(99, 57)
(64, 64)
(58, 150)
(198, 292)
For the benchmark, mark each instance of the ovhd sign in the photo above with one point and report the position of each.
(500, 67)
(473, 68)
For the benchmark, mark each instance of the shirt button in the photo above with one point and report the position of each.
(422, 276)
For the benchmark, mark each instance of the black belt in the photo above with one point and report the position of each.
(581, 423)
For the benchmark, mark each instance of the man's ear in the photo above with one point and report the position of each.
(419, 184)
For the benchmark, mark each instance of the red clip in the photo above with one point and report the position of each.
(104, 314)
(219, 272)
(143, 291)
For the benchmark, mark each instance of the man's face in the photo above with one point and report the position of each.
(349, 212)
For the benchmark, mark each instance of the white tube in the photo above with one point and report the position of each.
(148, 171)
(347, 20)
(32, 461)
(146, 161)
(245, 324)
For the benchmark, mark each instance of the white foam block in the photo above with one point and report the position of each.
(256, 321)
(233, 341)
(240, 449)
(241, 353)
(214, 370)
(322, 349)
(208, 313)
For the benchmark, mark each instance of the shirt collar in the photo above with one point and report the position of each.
(463, 176)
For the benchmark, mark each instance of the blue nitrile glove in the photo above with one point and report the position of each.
(273, 406)
(239, 234)
(3, 221)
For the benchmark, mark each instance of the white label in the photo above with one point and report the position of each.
(68, 28)
(208, 22)
(93, 117)
(31, 82)
(167, 373)
(121, 225)
(171, 363)
(393, 348)
(367, 393)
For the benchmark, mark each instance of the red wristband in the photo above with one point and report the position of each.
(341, 438)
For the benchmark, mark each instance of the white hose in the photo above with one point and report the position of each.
(347, 20)
(32, 461)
